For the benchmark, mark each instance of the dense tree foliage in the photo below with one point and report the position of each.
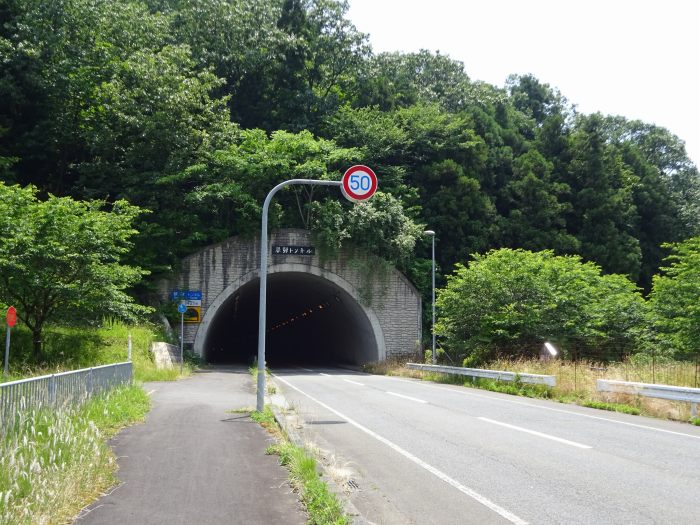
(509, 302)
(674, 304)
(60, 259)
(194, 109)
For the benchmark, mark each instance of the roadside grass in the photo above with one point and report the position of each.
(323, 507)
(72, 348)
(576, 383)
(613, 407)
(53, 463)
(695, 421)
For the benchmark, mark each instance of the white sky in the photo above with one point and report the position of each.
(635, 58)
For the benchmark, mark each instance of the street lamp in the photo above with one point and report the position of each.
(432, 326)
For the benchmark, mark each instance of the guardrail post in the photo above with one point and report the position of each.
(89, 386)
(52, 390)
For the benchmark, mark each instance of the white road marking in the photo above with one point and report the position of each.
(149, 393)
(306, 369)
(407, 397)
(327, 375)
(535, 433)
(353, 382)
(532, 405)
(441, 475)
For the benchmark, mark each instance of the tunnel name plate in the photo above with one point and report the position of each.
(278, 249)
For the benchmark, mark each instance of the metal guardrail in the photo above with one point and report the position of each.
(535, 379)
(59, 390)
(674, 393)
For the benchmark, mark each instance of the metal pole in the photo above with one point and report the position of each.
(182, 339)
(433, 323)
(129, 346)
(7, 350)
(262, 313)
(432, 326)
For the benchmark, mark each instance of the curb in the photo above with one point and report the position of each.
(278, 404)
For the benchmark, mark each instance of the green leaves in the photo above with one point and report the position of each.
(675, 308)
(61, 259)
(511, 301)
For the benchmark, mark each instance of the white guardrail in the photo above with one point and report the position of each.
(674, 393)
(57, 390)
(535, 379)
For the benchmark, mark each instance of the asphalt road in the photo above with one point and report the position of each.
(194, 461)
(416, 452)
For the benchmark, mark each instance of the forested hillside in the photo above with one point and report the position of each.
(194, 109)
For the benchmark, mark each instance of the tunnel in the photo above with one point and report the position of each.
(310, 321)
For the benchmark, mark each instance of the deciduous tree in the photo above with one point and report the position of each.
(61, 259)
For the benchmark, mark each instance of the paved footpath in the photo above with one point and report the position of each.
(195, 462)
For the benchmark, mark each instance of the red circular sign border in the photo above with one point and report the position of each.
(346, 177)
(11, 316)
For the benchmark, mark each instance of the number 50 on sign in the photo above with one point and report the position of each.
(359, 183)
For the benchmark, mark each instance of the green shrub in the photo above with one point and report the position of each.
(507, 302)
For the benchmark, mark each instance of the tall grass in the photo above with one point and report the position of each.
(72, 348)
(52, 463)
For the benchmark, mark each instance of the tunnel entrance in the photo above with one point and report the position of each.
(310, 320)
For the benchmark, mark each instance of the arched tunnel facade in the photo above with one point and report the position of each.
(315, 314)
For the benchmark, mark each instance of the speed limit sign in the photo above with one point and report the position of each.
(359, 183)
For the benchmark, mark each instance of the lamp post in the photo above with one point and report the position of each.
(432, 326)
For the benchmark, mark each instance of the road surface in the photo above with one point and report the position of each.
(417, 452)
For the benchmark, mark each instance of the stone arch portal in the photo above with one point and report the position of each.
(314, 314)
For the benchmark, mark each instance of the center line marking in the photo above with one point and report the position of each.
(407, 397)
(353, 382)
(535, 433)
(438, 473)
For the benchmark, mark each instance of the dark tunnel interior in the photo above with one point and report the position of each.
(310, 320)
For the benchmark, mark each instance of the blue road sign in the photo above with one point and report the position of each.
(188, 295)
(181, 308)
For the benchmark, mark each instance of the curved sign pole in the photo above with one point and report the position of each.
(358, 184)
(262, 313)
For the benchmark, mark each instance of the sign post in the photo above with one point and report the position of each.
(358, 184)
(11, 319)
(182, 308)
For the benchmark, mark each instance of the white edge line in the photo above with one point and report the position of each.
(149, 393)
(532, 405)
(353, 382)
(306, 369)
(441, 475)
(535, 433)
(327, 375)
(407, 397)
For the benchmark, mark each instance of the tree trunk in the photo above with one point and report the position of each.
(37, 344)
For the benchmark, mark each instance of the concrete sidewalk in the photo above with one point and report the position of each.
(195, 462)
